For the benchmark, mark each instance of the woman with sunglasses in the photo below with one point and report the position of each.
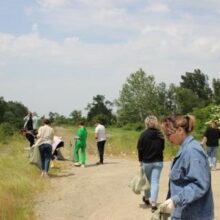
(190, 193)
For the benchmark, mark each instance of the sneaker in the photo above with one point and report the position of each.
(146, 201)
(83, 166)
(77, 164)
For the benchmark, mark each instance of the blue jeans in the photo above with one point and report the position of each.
(212, 156)
(45, 154)
(152, 172)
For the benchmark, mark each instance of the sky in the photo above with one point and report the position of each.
(56, 55)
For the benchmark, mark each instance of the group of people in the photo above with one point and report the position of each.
(80, 143)
(190, 192)
(43, 139)
(49, 144)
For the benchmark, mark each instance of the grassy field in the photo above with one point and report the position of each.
(19, 181)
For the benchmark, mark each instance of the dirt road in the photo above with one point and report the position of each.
(102, 193)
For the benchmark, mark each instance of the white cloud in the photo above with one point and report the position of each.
(52, 3)
(158, 7)
(74, 57)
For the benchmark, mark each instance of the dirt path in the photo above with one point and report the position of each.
(102, 193)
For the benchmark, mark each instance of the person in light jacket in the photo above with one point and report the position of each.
(44, 141)
(190, 191)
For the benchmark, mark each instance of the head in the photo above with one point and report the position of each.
(178, 127)
(151, 121)
(96, 122)
(46, 121)
(213, 124)
(81, 124)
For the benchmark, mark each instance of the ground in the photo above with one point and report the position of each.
(102, 192)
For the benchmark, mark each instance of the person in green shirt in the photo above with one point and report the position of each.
(80, 144)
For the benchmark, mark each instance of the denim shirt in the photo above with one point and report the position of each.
(190, 183)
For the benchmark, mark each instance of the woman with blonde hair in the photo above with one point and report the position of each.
(150, 153)
(190, 193)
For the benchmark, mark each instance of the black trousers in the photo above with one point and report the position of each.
(101, 147)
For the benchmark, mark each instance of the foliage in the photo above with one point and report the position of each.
(76, 116)
(138, 98)
(57, 119)
(197, 82)
(216, 91)
(12, 112)
(100, 109)
(205, 115)
(6, 131)
(185, 100)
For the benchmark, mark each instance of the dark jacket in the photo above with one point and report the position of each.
(212, 135)
(150, 146)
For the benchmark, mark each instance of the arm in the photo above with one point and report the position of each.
(140, 148)
(197, 179)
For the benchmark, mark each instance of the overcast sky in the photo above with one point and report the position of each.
(55, 55)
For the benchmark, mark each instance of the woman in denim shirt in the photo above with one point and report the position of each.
(190, 192)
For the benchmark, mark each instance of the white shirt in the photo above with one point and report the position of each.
(45, 135)
(56, 141)
(100, 133)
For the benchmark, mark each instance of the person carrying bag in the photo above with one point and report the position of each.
(139, 182)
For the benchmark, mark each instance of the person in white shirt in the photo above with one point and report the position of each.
(100, 137)
(44, 141)
(31, 123)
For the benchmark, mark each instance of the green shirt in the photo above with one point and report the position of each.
(82, 134)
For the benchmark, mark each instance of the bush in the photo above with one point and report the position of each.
(6, 130)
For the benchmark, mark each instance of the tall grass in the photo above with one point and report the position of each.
(19, 181)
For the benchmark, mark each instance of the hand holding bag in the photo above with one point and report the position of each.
(139, 182)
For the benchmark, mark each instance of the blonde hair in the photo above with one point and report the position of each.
(151, 121)
(187, 122)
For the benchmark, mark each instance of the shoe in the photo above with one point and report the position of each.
(83, 166)
(146, 201)
(153, 209)
(98, 163)
(77, 164)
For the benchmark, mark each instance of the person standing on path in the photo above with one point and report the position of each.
(190, 190)
(80, 144)
(211, 139)
(44, 141)
(100, 137)
(150, 153)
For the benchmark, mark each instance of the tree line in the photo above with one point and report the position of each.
(140, 96)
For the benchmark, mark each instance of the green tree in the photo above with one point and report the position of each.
(138, 98)
(3, 106)
(216, 90)
(198, 83)
(185, 100)
(166, 101)
(100, 108)
(76, 116)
